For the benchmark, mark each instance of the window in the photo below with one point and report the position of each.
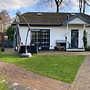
(36, 36)
(41, 37)
(44, 38)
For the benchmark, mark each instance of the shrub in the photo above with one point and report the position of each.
(85, 39)
(10, 33)
(2, 49)
(88, 48)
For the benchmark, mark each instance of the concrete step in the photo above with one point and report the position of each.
(76, 49)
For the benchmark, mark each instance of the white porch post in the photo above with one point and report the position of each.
(67, 38)
(84, 26)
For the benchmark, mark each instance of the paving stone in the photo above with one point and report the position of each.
(16, 86)
(19, 87)
(24, 77)
(82, 80)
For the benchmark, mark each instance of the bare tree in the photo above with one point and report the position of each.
(57, 3)
(4, 20)
(82, 5)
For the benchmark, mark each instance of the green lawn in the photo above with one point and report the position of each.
(3, 85)
(59, 67)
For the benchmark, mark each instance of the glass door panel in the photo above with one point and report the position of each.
(74, 38)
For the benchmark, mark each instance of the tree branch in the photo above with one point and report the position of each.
(60, 2)
(88, 4)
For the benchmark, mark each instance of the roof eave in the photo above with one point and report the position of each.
(24, 24)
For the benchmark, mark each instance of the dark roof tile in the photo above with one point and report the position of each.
(49, 18)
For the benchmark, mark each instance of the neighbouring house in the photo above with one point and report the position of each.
(63, 31)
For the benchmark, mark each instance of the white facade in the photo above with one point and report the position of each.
(56, 33)
(23, 34)
(60, 32)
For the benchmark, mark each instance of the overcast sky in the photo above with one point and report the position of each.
(31, 6)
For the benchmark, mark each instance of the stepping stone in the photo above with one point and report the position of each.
(19, 87)
(16, 86)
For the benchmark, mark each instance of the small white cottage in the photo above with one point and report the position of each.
(56, 30)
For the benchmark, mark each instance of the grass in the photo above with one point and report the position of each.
(3, 85)
(60, 67)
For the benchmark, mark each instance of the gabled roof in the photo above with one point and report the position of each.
(51, 19)
(83, 17)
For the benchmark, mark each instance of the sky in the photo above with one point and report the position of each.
(12, 6)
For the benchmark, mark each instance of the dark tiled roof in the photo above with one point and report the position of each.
(35, 18)
(86, 17)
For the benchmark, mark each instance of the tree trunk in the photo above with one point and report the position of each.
(58, 3)
(84, 6)
(57, 8)
(80, 6)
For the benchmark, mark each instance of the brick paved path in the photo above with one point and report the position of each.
(82, 80)
(36, 82)
(49, 52)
